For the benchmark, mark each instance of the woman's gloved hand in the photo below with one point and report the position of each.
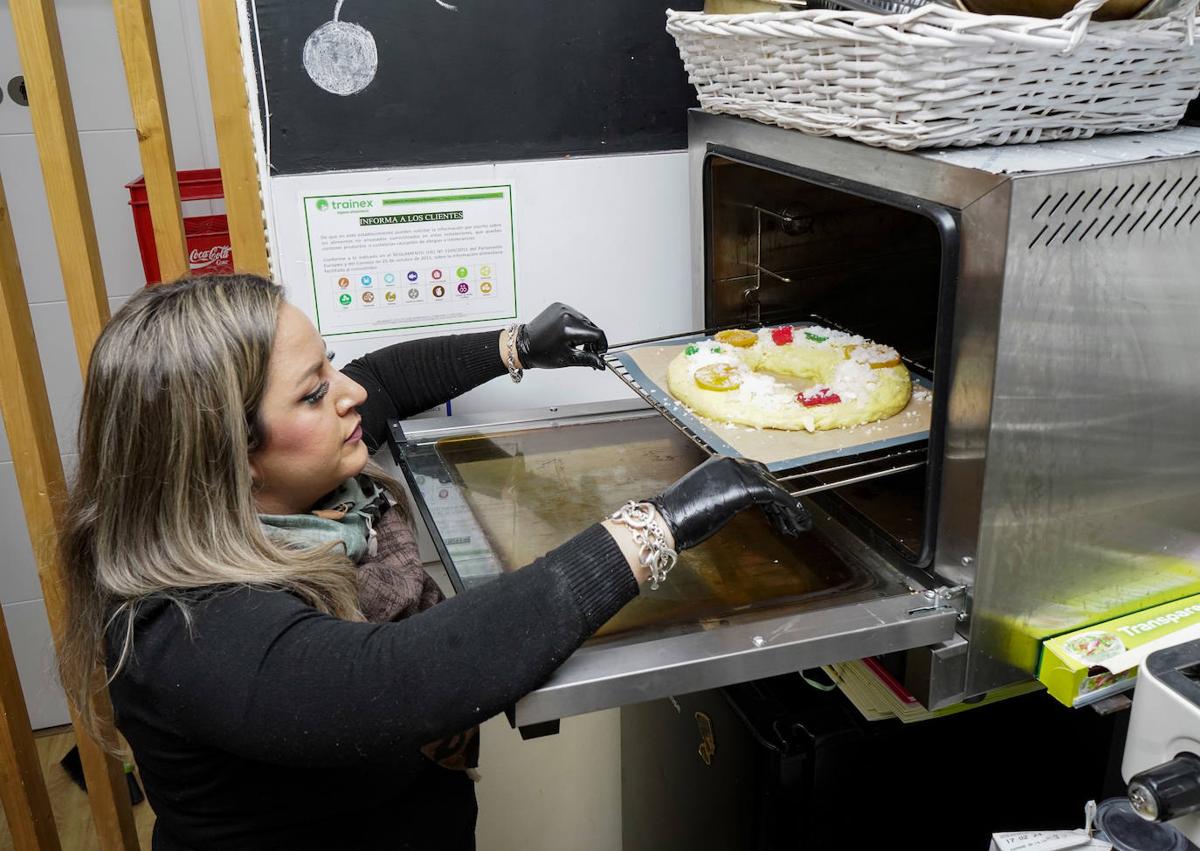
(700, 503)
(560, 336)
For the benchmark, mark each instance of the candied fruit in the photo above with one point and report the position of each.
(718, 376)
(737, 338)
(818, 396)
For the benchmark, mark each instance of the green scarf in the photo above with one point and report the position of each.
(347, 515)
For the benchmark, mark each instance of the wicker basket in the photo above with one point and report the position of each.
(940, 76)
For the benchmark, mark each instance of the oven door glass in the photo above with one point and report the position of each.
(495, 500)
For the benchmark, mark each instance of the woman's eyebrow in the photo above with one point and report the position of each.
(312, 370)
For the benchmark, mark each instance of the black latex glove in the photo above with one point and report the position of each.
(708, 497)
(550, 341)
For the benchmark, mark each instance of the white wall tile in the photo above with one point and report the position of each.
(18, 571)
(26, 194)
(189, 15)
(111, 160)
(33, 647)
(94, 66)
(60, 366)
(13, 117)
(185, 80)
(60, 370)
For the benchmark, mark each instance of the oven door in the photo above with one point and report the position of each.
(496, 492)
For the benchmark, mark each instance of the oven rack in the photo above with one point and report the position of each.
(809, 479)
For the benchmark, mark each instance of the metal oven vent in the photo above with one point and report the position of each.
(1151, 206)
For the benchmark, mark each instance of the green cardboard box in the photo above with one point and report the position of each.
(1088, 664)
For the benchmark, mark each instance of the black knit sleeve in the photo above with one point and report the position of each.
(414, 376)
(263, 676)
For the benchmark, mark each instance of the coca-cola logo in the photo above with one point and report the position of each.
(208, 256)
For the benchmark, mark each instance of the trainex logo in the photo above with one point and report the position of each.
(324, 204)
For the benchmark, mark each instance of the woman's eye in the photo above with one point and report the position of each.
(317, 395)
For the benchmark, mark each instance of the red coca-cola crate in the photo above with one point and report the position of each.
(207, 236)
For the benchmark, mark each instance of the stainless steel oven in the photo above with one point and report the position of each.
(1048, 294)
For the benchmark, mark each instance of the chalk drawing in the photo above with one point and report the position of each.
(341, 57)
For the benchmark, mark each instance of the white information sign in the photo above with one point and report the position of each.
(392, 261)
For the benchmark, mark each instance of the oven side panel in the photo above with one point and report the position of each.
(1089, 502)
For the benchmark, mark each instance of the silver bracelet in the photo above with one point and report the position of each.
(653, 552)
(510, 355)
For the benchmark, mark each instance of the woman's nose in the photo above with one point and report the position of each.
(351, 394)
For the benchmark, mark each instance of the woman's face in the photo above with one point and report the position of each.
(311, 440)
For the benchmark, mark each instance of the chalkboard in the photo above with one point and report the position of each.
(493, 80)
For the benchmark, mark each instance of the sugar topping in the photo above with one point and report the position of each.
(852, 379)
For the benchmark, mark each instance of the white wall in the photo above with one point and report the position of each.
(607, 235)
(111, 157)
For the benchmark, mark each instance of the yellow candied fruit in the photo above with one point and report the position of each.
(737, 338)
(718, 376)
(847, 351)
(885, 364)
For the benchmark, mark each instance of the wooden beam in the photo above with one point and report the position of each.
(235, 139)
(22, 785)
(40, 480)
(139, 48)
(36, 26)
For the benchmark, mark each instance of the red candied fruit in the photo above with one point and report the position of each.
(813, 398)
(782, 335)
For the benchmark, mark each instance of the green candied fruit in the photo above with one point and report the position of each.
(716, 350)
(691, 350)
(816, 338)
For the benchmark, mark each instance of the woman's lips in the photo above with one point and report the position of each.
(355, 435)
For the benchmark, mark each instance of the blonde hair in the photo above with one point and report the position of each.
(163, 501)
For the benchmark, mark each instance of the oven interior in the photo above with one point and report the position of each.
(788, 245)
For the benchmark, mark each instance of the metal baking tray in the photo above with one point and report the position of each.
(806, 462)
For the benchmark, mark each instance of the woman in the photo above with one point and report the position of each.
(216, 537)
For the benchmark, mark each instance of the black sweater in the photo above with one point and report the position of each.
(272, 726)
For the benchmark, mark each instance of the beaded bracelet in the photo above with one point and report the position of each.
(510, 355)
(653, 552)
